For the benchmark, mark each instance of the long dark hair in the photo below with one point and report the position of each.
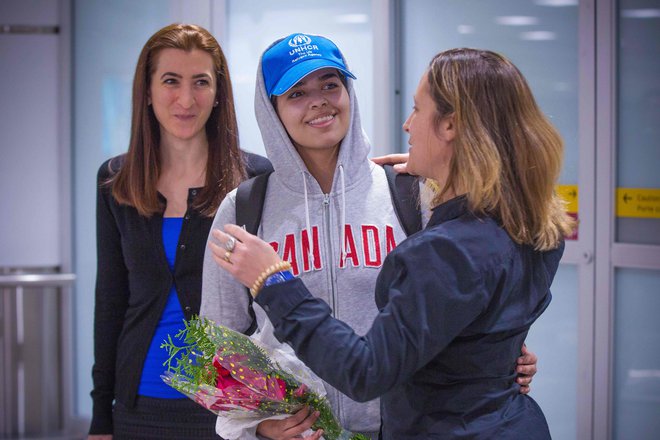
(135, 183)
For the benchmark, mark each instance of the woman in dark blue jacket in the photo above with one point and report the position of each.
(457, 299)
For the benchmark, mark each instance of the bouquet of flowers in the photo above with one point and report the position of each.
(245, 380)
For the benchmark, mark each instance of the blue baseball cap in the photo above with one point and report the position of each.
(295, 57)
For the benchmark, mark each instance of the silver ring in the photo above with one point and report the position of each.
(230, 244)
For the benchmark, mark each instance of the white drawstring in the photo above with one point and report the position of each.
(343, 214)
(310, 233)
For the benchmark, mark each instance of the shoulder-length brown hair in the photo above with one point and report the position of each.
(506, 155)
(135, 183)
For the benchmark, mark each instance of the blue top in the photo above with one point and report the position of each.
(170, 323)
(456, 301)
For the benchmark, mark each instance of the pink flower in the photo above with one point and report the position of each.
(231, 371)
(232, 392)
(300, 391)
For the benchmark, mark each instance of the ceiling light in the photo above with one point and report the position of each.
(538, 36)
(640, 13)
(352, 19)
(516, 20)
(465, 29)
(557, 3)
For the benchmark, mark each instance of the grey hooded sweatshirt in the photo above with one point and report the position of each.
(336, 242)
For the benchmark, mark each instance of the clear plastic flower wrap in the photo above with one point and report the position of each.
(245, 379)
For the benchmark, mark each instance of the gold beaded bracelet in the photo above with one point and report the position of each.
(259, 282)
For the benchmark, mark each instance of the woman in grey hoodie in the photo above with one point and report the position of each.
(327, 209)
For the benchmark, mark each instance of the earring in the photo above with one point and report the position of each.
(215, 104)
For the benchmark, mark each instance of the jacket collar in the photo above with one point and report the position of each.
(449, 210)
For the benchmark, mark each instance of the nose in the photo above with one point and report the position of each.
(186, 97)
(406, 124)
(318, 100)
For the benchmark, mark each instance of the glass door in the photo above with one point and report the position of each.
(627, 367)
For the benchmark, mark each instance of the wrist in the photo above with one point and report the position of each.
(277, 268)
(278, 277)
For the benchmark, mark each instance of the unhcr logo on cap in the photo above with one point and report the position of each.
(293, 57)
(299, 40)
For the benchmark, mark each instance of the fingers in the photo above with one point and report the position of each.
(398, 160)
(526, 370)
(527, 356)
(225, 236)
(401, 168)
(524, 382)
(298, 418)
(303, 419)
(527, 362)
(250, 256)
(316, 436)
(291, 427)
(238, 232)
(391, 158)
(223, 257)
(218, 254)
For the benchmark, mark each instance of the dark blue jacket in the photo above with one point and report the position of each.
(456, 301)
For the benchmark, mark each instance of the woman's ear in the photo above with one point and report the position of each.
(448, 127)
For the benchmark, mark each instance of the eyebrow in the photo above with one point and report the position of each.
(322, 78)
(176, 75)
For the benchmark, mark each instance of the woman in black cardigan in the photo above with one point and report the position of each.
(155, 206)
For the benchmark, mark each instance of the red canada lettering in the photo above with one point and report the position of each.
(289, 252)
(351, 248)
(316, 258)
(370, 235)
(390, 243)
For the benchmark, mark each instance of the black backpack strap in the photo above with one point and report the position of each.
(404, 190)
(250, 197)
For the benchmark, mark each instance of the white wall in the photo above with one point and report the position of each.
(29, 138)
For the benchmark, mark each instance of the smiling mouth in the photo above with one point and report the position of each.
(321, 121)
(184, 117)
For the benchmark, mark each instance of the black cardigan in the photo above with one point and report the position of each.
(132, 285)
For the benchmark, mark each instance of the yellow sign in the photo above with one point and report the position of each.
(570, 194)
(638, 202)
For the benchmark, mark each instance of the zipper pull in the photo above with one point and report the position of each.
(326, 199)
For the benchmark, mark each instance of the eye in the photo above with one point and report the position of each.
(295, 94)
(203, 82)
(170, 81)
(330, 86)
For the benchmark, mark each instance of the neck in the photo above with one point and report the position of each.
(437, 184)
(446, 196)
(184, 161)
(321, 164)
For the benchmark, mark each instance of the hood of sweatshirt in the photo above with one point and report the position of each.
(352, 162)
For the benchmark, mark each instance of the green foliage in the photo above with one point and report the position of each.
(193, 359)
(190, 367)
